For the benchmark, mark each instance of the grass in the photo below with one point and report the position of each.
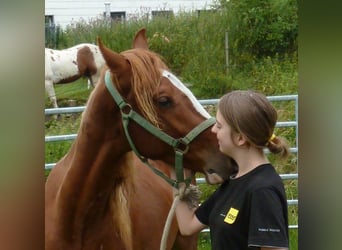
(77, 91)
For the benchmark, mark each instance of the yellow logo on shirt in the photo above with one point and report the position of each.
(231, 215)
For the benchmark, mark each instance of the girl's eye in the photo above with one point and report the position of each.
(164, 102)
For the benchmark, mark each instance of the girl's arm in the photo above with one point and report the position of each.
(186, 218)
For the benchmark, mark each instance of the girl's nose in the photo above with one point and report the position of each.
(213, 129)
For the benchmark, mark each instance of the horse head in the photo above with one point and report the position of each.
(147, 89)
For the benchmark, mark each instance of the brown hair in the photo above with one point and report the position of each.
(251, 114)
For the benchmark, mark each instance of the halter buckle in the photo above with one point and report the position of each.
(181, 146)
(126, 109)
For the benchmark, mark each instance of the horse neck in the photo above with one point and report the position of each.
(97, 170)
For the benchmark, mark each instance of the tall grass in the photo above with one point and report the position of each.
(193, 45)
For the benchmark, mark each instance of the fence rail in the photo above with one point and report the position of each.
(69, 110)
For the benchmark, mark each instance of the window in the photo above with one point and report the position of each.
(49, 20)
(118, 16)
(205, 12)
(162, 13)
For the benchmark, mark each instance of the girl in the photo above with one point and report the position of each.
(249, 210)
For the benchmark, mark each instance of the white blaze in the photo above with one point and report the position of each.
(177, 83)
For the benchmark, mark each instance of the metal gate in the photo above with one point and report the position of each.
(284, 124)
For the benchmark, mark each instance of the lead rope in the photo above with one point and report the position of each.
(190, 194)
(168, 222)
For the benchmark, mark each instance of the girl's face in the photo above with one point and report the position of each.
(225, 135)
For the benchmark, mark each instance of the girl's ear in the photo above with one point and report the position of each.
(240, 139)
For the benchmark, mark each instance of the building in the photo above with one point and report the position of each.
(67, 12)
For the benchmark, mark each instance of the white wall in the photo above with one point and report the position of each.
(67, 11)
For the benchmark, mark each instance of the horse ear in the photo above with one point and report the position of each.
(140, 40)
(114, 61)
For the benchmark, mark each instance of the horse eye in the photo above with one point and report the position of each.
(164, 102)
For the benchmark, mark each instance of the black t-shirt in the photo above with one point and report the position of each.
(247, 212)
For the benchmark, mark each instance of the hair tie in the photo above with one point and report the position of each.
(272, 138)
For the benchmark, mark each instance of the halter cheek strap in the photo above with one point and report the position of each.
(180, 145)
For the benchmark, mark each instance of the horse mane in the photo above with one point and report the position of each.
(121, 219)
(146, 68)
(120, 204)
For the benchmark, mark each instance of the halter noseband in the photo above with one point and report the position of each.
(180, 146)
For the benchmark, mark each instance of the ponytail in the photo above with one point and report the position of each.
(278, 145)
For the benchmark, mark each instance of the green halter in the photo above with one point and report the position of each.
(180, 146)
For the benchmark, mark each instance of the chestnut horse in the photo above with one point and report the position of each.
(68, 65)
(95, 198)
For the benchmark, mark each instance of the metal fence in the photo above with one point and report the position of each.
(207, 102)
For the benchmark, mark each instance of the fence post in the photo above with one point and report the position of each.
(227, 52)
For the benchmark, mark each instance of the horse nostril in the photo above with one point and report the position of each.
(210, 171)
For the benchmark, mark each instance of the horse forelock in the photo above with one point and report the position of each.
(146, 69)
